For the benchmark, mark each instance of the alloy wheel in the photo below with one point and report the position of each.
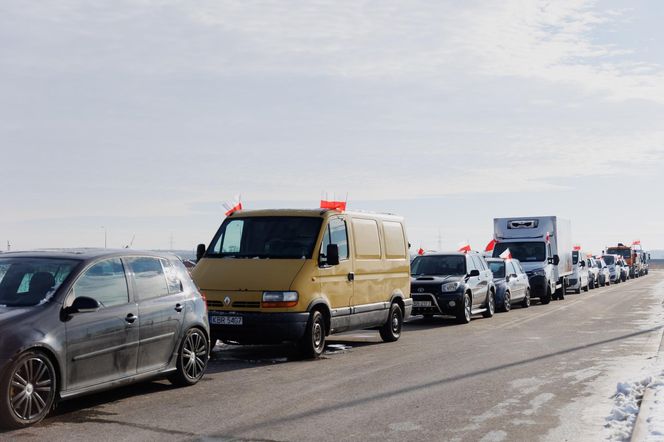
(32, 388)
(194, 354)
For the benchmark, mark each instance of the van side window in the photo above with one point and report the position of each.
(367, 242)
(395, 242)
(335, 233)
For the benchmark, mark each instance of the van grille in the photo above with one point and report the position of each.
(214, 303)
(246, 304)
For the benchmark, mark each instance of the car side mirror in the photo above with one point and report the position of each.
(200, 251)
(332, 253)
(474, 272)
(83, 304)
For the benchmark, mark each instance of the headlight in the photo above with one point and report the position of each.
(450, 287)
(279, 299)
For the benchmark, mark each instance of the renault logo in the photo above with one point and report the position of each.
(420, 290)
(227, 300)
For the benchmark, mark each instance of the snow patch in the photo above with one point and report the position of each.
(627, 401)
(537, 402)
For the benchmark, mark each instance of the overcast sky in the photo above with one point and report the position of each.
(144, 116)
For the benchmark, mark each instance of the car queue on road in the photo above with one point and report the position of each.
(75, 322)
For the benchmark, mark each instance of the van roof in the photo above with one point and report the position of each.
(318, 213)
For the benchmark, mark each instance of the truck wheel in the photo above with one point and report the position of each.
(560, 293)
(464, 311)
(507, 302)
(391, 330)
(547, 297)
(526, 301)
(490, 305)
(312, 343)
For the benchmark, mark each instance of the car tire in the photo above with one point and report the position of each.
(587, 287)
(547, 297)
(507, 302)
(591, 284)
(490, 308)
(29, 388)
(578, 291)
(192, 357)
(465, 309)
(526, 300)
(312, 343)
(391, 330)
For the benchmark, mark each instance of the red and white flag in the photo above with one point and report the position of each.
(506, 254)
(332, 203)
(420, 251)
(548, 237)
(491, 246)
(233, 206)
(464, 247)
(577, 248)
(637, 242)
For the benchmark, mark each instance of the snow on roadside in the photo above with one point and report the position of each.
(652, 410)
(627, 401)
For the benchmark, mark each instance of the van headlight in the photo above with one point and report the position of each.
(450, 286)
(279, 299)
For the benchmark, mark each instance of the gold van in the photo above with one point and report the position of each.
(273, 276)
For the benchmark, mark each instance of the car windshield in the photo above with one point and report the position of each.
(523, 251)
(497, 268)
(575, 257)
(609, 260)
(624, 252)
(31, 281)
(439, 265)
(266, 237)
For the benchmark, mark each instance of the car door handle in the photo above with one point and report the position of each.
(351, 276)
(178, 308)
(130, 318)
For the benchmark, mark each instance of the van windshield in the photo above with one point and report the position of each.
(608, 260)
(624, 252)
(523, 251)
(439, 265)
(275, 237)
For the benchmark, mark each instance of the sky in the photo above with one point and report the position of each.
(131, 122)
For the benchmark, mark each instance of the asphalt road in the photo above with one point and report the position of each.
(543, 373)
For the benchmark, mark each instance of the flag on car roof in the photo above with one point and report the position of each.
(464, 247)
(506, 254)
(332, 203)
(233, 206)
(420, 251)
(491, 246)
(548, 237)
(577, 248)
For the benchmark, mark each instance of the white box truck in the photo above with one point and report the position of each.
(543, 244)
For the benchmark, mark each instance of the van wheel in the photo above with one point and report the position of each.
(192, 359)
(490, 305)
(546, 298)
(312, 343)
(526, 301)
(391, 330)
(28, 391)
(464, 311)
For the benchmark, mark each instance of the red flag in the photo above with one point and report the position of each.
(637, 242)
(420, 251)
(233, 206)
(506, 254)
(464, 247)
(548, 236)
(491, 246)
(334, 205)
(577, 248)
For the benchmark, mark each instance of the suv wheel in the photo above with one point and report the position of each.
(391, 330)
(490, 305)
(465, 309)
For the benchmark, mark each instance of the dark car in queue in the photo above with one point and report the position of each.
(512, 286)
(455, 284)
(73, 322)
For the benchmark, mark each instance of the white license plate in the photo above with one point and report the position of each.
(421, 303)
(226, 320)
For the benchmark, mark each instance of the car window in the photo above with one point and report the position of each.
(510, 268)
(106, 282)
(478, 263)
(149, 277)
(172, 278)
(470, 264)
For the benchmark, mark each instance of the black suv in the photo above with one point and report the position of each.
(457, 284)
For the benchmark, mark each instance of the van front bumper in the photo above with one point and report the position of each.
(258, 328)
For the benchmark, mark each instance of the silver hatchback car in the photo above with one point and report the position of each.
(79, 321)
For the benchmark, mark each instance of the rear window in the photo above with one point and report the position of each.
(367, 242)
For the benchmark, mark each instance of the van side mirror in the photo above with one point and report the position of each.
(474, 272)
(582, 264)
(83, 304)
(332, 253)
(200, 251)
(555, 260)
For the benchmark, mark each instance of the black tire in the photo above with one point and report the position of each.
(391, 330)
(312, 343)
(193, 357)
(29, 387)
(490, 305)
(464, 310)
(547, 297)
(526, 301)
(578, 291)
(507, 302)
(560, 293)
(591, 283)
(587, 287)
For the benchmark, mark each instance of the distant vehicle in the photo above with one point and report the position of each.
(624, 269)
(511, 282)
(631, 256)
(543, 245)
(646, 262)
(77, 322)
(593, 272)
(604, 277)
(579, 279)
(614, 268)
(283, 275)
(456, 284)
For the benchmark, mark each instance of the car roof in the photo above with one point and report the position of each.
(84, 254)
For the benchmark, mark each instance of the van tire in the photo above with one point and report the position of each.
(547, 297)
(391, 330)
(464, 311)
(312, 343)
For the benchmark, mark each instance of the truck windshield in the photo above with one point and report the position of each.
(439, 265)
(609, 260)
(30, 281)
(276, 237)
(624, 252)
(523, 251)
(497, 268)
